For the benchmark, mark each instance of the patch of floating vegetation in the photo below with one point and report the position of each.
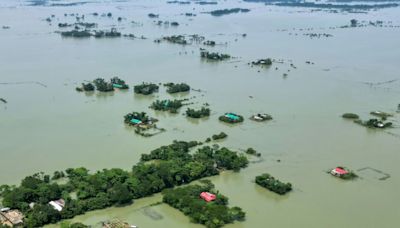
(176, 165)
(206, 3)
(269, 182)
(171, 106)
(146, 88)
(200, 113)
(223, 12)
(261, 117)
(343, 173)
(203, 205)
(177, 87)
(215, 56)
(231, 118)
(142, 123)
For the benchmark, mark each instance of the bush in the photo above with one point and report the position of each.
(177, 88)
(350, 116)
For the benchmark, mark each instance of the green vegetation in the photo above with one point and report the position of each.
(231, 118)
(262, 62)
(177, 88)
(176, 39)
(350, 116)
(119, 83)
(219, 136)
(348, 176)
(203, 112)
(140, 116)
(251, 151)
(87, 87)
(228, 11)
(102, 85)
(209, 43)
(152, 15)
(145, 88)
(113, 187)
(374, 123)
(76, 33)
(167, 105)
(382, 115)
(73, 225)
(213, 55)
(211, 214)
(269, 182)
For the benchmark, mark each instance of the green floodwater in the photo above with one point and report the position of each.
(53, 127)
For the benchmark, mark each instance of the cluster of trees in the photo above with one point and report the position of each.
(228, 11)
(84, 191)
(207, 161)
(76, 33)
(209, 43)
(102, 85)
(119, 83)
(262, 62)
(176, 39)
(212, 214)
(203, 112)
(177, 88)
(221, 135)
(87, 87)
(142, 116)
(374, 123)
(253, 152)
(269, 182)
(167, 105)
(145, 88)
(350, 116)
(213, 55)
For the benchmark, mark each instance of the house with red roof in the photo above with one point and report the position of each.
(339, 171)
(208, 197)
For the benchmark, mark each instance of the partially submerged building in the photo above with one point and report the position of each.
(11, 218)
(339, 171)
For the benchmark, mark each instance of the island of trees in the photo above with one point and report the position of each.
(143, 124)
(171, 106)
(177, 88)
(84, 191)
(213, 55)
(145, 88)
(228, 11)
(269, 182)
(211, 214)
(200, 113)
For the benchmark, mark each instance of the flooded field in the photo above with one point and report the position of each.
(46, 125)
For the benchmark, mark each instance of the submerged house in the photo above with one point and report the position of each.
(58, 204)
(232, 116)
(208, 197)
(11, 218)
(136, 121)
(339, 171)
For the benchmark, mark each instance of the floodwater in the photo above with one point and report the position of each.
(48, 126)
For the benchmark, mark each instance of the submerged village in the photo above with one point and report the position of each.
(215, 133)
